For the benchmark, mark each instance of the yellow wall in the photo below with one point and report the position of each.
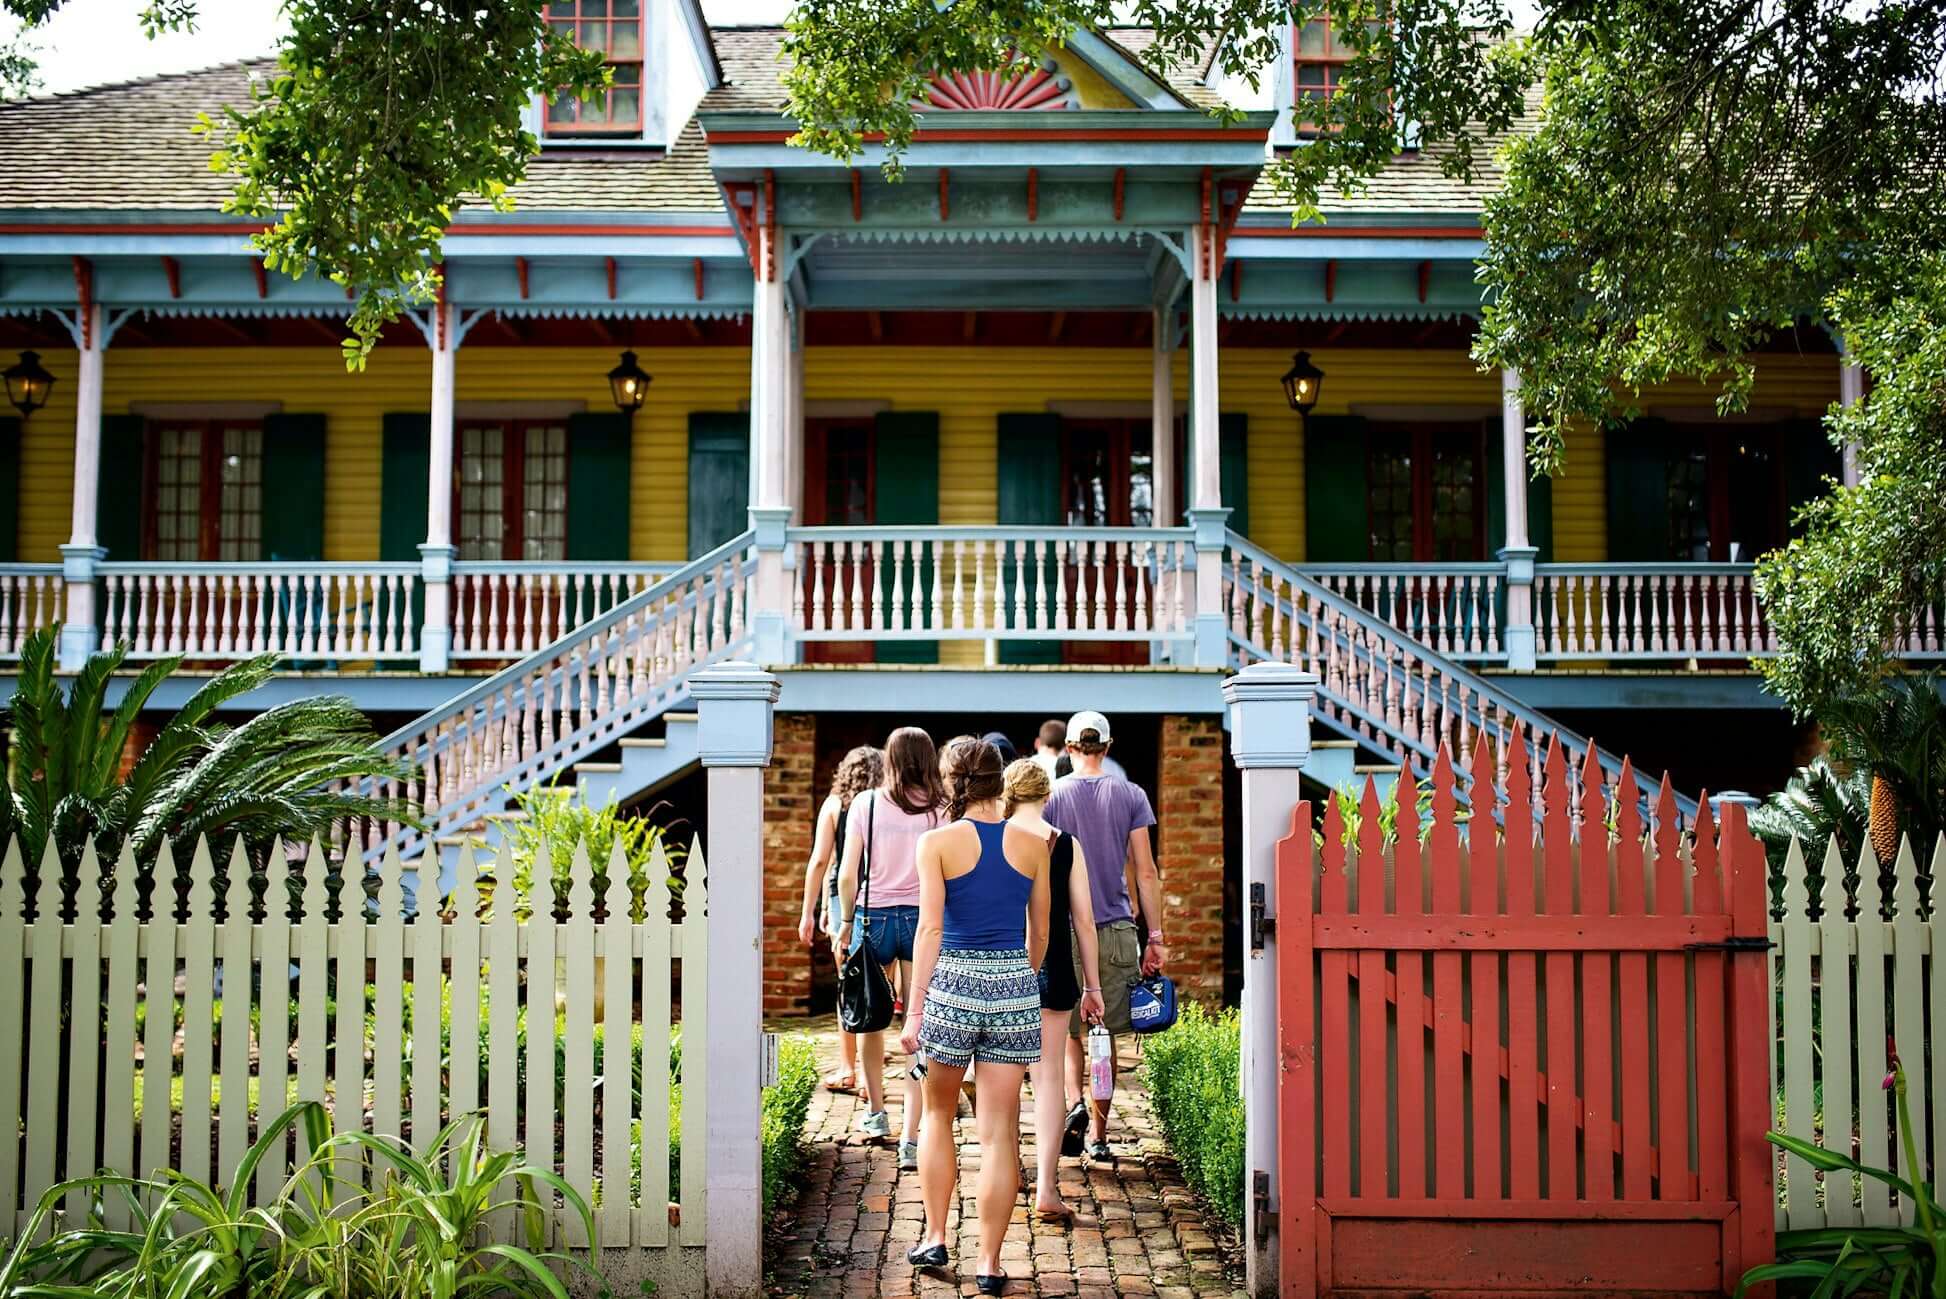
(967, 386)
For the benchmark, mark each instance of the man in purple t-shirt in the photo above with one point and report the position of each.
(1110, 818)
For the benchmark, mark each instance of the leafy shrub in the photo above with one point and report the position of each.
(558, 820)
(1195, 1084)
(418, 1231)
(784, 1109)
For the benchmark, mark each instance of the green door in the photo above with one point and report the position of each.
(1029, 453)
(719, 478)
(905, 492)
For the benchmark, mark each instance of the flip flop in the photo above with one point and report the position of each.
(1074, 1129)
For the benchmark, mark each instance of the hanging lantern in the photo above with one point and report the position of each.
(28, 383)
(1301, 383)
(630, 384)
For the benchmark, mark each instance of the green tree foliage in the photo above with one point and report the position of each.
(283, 774)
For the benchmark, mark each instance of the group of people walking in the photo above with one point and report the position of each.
(1015, 901)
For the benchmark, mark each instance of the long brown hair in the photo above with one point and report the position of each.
(973, 774)
(857, 772)
(912, 772)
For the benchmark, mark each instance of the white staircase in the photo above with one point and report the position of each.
(559, 707)
(1378, 684)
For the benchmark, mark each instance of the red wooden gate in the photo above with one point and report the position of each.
(1543, 1080)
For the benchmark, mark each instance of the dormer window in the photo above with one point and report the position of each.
(1318, 61)
(615, 28)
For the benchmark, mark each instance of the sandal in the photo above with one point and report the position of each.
(843, 1081)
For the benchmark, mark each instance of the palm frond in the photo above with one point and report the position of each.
(108, 754)
(84, 732)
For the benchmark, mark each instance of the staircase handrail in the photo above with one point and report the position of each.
(1536, 723)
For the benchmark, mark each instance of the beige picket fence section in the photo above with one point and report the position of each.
(1854, 968)
(89, 1007)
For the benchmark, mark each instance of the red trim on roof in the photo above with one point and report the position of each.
(1358, 232)
(239, 228)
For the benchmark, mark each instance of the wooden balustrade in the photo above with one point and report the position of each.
(503, 611)
(30, 599)
(945, 583)
(302, 611)
(1643, 611)
(1453, 609)
(537, 716)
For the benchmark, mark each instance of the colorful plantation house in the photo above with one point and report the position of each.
(1072, 416)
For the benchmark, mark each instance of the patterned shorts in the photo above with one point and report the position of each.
(983, 1006)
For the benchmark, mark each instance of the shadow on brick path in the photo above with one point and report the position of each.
(1137, 1228)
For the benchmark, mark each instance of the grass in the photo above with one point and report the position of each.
(1195, 1086)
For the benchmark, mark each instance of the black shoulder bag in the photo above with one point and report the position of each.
(864, 993)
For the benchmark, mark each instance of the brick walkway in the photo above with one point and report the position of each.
(1137, 1229)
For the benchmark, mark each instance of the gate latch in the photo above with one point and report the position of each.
(1744, 944)
(1261, 925)
(1260, 1204)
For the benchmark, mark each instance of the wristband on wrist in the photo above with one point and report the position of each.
(1155, 935)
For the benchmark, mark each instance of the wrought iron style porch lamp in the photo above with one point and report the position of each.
(28, 383)
(630, 384)
(1302, 383)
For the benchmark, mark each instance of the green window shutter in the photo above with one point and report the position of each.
(905, 491)
(598, 485)
(1335, 530)
(293, 487)
(1029, 454)
(1540, 499)
(1233, 432)
(1638, 491)
(719, 478)
(403, 484)
(9, 490)
(121, 495)
(1809, 459)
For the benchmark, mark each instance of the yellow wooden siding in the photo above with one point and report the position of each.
(968, 387)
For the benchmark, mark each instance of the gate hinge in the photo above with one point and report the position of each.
(1261, 925)
(1260, 1206)
(1746, 944)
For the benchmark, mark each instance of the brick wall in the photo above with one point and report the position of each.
(1190, 815)
(789, 820)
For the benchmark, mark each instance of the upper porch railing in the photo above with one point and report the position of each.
(927, 583)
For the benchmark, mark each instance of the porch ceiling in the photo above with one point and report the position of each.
(939, 272)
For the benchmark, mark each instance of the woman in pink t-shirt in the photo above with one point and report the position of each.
(878, 901)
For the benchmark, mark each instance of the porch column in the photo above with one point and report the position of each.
(1206, 512)
(79, 633)
(1162, 420)
(437, 552)
(771, 403)
(734, 702)
(1518, 553)
(1270, 741)
(1851, 391)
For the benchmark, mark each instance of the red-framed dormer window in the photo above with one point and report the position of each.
(615, 28)
(1319, 55)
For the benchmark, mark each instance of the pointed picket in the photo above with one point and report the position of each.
(695, 1041)
(618, 1051)
(1408, 899)
(1598, 971)
(198, 1012)
(233, 1081)
(1483, 970)
(84, 1027)
(577, 1098)
(425, 941)
(464, 989)
(1335, 1035)
(652, 1219)
(349, 953)
(542, 978)
(1933, 930)
(1800, 1181)
(274, 1016)
(1712, 997)
(13, 968)
(159, 1014)
(1448, 1009)
(1373, 1170)
(388, 998)
(1835, 984)
(122, 939)
(1874, 1103)
(503, 1011)
(1523, 1012)
(43, 1026)
(1908, 999)
(1557, 873)
(313, 934)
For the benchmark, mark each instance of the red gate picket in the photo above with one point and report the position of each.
(1537, 1081)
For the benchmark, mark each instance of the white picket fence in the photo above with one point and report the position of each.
(89, 1007)
(1853, 969)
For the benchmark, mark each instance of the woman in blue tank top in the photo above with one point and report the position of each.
(983, 905)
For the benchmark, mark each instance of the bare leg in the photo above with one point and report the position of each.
(914, 1091)
(1050, 1109)
(938, 1163)
(871, 1058)
(1076, 1060)
(848, 1056)
(997, 1119)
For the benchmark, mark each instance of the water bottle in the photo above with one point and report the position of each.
(1101, 1064)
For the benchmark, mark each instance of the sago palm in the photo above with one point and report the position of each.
(1819, 802)
(289, 772)
(1897, 732)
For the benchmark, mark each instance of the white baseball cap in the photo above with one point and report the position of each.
(1088, 720)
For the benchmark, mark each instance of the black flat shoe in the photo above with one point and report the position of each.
(933, 1256)
(996, 1284)
(1100, 1153)
(1075, 1130)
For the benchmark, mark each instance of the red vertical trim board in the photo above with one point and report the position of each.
(1749, 1055)
(1297, 1060)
